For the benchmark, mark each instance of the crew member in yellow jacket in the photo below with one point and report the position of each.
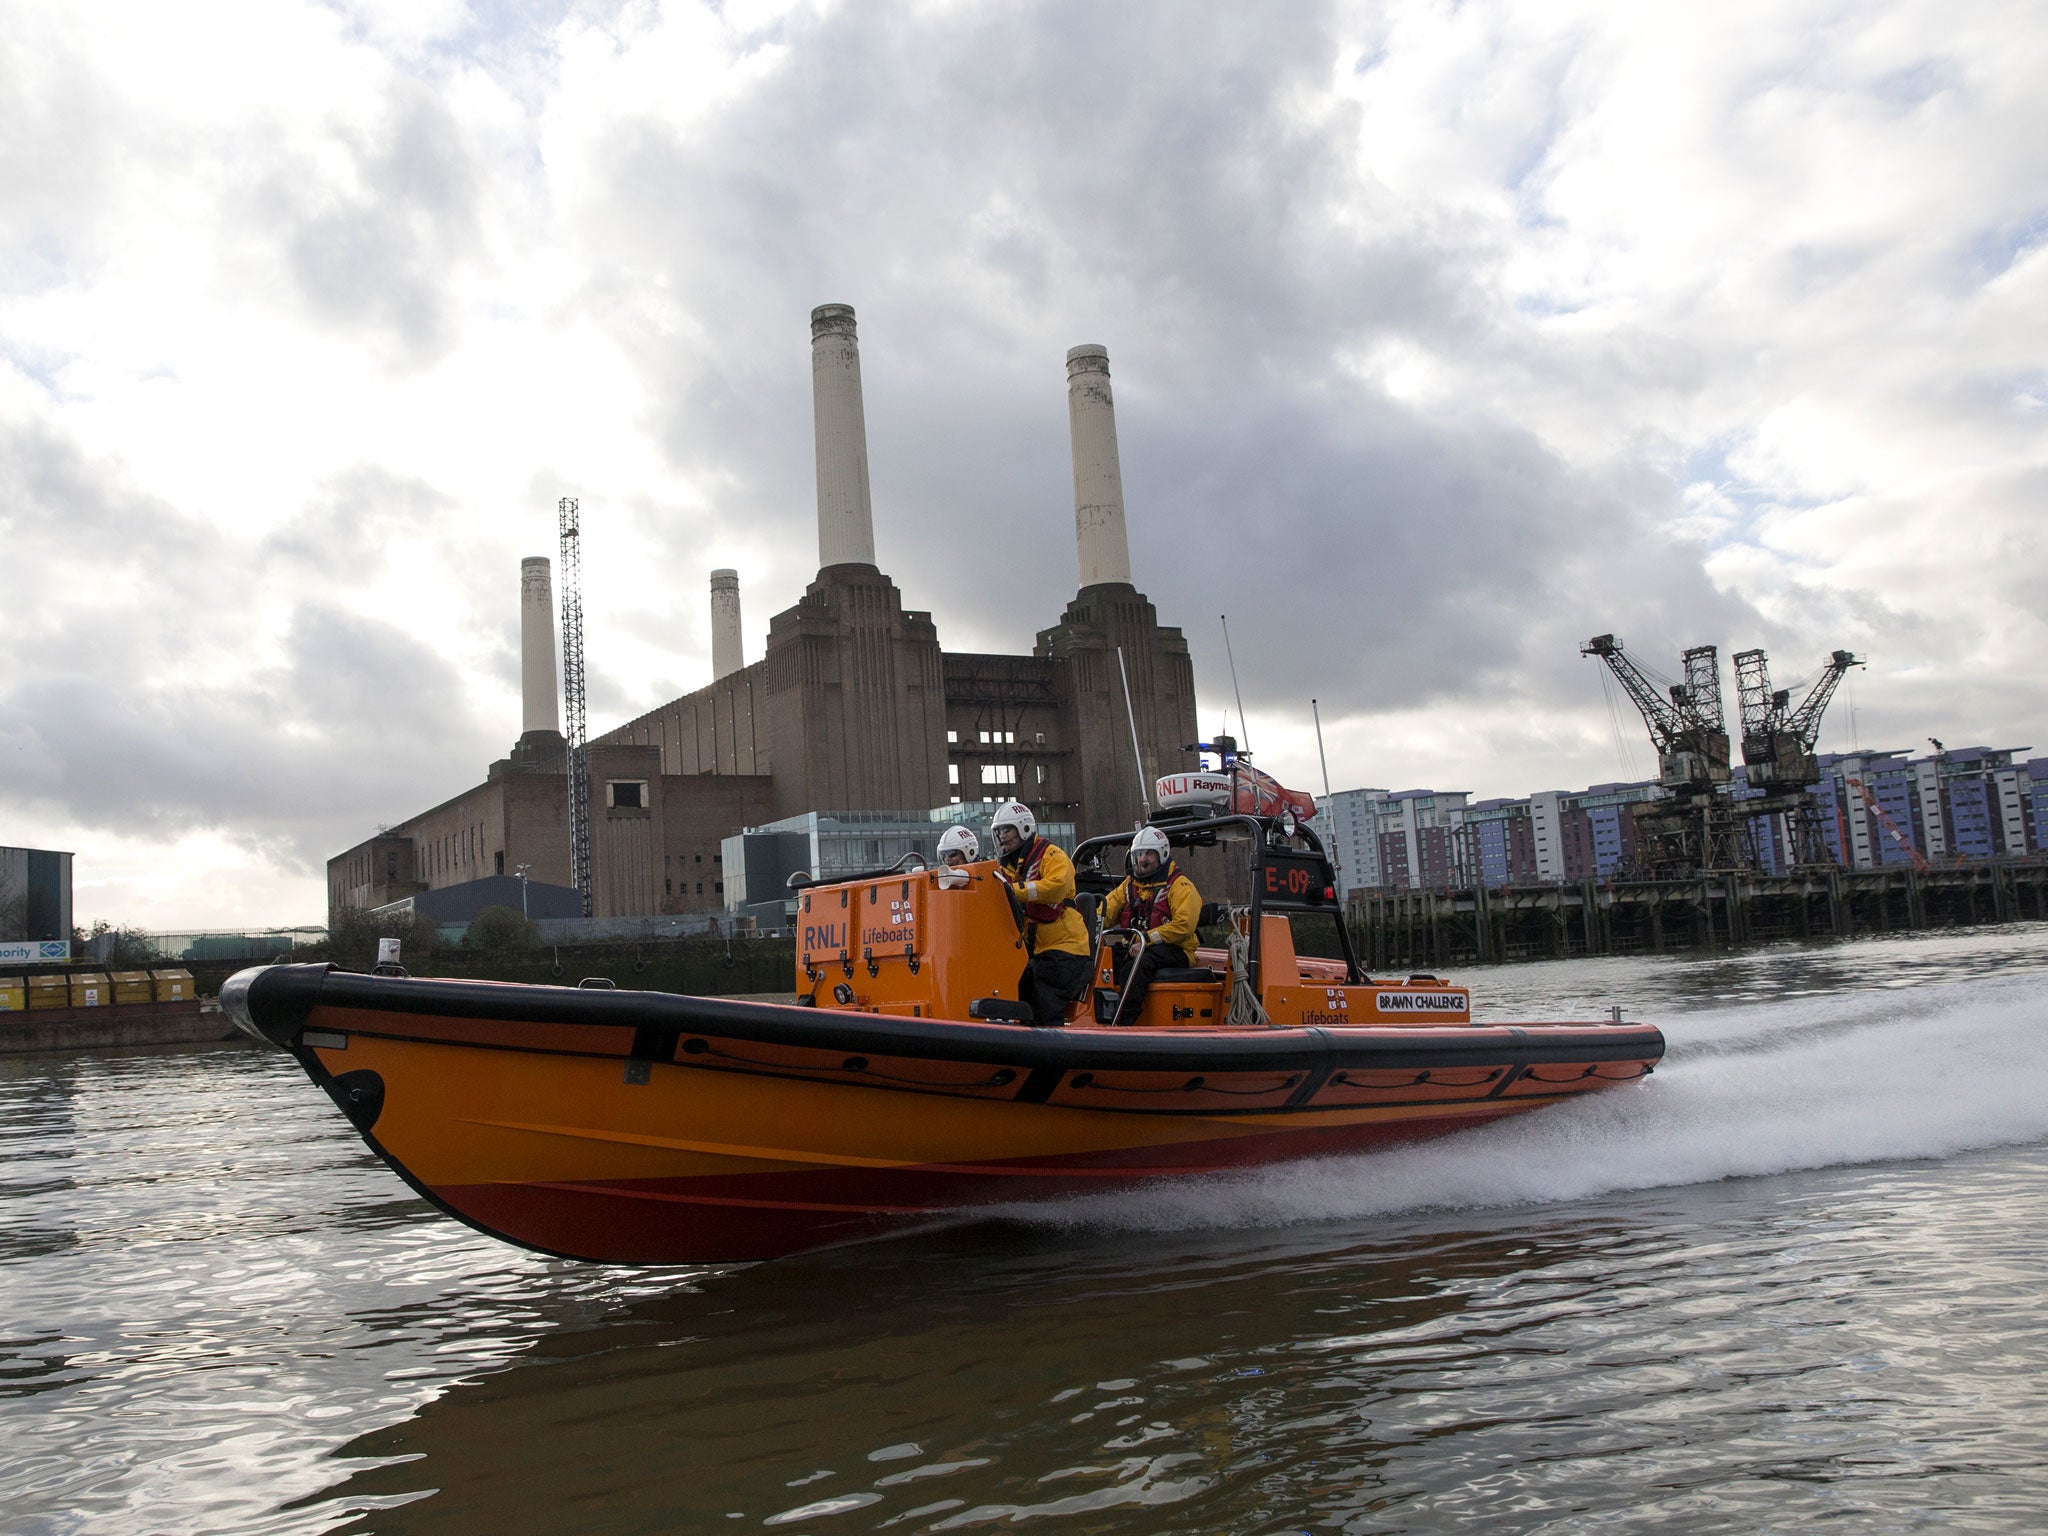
(1157, 900)
(1055, 937)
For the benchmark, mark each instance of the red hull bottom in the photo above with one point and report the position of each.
(743, 1217)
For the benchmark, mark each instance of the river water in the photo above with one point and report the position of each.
(1795, 1280)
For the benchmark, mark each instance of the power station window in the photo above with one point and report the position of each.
(998, 773)
(626, 794)
(952, 773)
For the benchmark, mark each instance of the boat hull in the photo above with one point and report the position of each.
(650, 1128)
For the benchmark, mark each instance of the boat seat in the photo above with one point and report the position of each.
(1089, 905)
(1172, 973)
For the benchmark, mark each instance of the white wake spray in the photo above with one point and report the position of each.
(1763, 1089)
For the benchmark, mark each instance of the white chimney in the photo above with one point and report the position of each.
(727, 656)
(1099, 536)
(540, 709)
(846, 517)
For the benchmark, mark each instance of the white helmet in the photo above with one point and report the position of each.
(960, 840)
(1151, 840)
(1017, 816)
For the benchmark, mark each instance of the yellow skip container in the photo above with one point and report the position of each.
(131, 986)
(173, 986)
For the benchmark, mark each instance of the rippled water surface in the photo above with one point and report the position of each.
(1797, 1280)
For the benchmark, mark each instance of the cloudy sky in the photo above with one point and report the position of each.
(1443, 335)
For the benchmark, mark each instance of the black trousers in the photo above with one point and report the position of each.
(1137, 980)
(1052, 980)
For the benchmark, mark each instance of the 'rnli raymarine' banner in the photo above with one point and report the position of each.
(1419, 1002)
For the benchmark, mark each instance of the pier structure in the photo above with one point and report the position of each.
(1397, 929)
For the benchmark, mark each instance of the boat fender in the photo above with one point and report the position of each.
(360, 1096)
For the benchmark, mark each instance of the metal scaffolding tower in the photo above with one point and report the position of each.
(572, 700)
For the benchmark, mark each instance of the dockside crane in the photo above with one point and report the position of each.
(1778, 739)
(1694, 829)
(1892, 829)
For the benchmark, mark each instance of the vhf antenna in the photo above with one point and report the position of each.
(1245, 743)
(1335, 867)
(1137, 756)
(1243, 746)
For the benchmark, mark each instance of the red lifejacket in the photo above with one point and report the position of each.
(1155, 909)
(1027, 871)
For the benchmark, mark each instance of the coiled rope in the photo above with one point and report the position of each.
(1246, 1011)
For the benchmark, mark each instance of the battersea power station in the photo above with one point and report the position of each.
(853, 718)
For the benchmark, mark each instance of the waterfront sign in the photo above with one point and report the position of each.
(31, 951)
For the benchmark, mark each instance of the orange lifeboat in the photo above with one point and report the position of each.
(904, 1083)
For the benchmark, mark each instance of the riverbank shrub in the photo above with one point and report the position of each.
(501, 931)
(352, 940)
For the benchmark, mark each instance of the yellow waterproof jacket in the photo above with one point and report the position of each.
(1043, 878)
(1167, 907)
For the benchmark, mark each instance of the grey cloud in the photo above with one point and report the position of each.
(374, 259)
(863, 171)
(302, 752)
(113, 718)
(363, 518)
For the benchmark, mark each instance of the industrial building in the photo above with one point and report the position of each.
(35, 905)
(853, 711)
